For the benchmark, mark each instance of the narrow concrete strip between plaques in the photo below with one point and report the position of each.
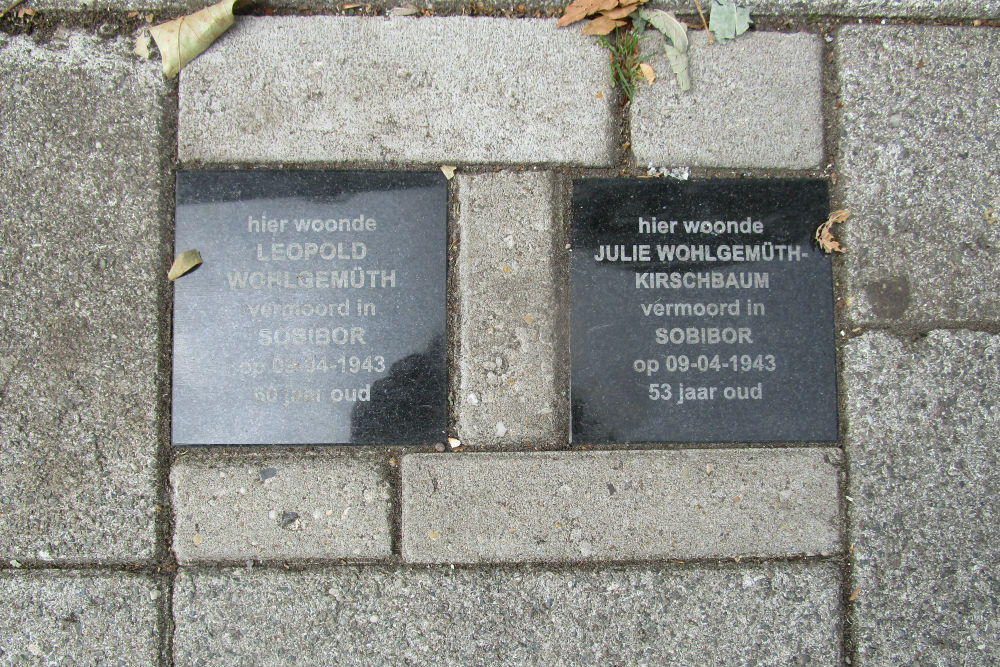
(512, 315)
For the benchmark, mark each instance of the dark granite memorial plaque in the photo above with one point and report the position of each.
(318, 315)
(701, 311)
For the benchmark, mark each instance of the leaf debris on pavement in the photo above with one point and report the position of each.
(727, 20)
(180, 41)
(610, 14)
(677, 49)
(183, 263)
(824, 235)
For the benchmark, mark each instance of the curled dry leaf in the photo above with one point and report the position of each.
(620, 12)
(580, 9)
(183, 263)
(448, 171)
(180, 41)
(404, 10)
(601, 25)
(647, 73)
(824, 236)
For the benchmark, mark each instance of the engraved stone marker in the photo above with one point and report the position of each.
(700, 311)
(318, 315)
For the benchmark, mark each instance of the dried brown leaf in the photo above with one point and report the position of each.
(183, 263)
(180, 41)
(647, 73)
(824, 235)
(602, 25)
(580, 9)
(854, 595)
(448, 171)
(619, 12)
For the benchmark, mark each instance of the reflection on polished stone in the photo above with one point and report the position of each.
(318, 315)
(700, 311)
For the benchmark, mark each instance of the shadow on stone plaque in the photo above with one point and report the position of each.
(318, 313)
(404, 406)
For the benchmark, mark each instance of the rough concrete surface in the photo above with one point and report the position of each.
(771, 614)
(84, 196)
(280, 507)
(918, 166)
(754, 102)
(382, 91)
(512, 365)
(63, 618)
(868, 8)
(171, 8)
(623, 505)
(923, 441)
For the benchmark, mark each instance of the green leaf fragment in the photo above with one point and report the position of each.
(728, 20)
(679, 64)
(676, 51)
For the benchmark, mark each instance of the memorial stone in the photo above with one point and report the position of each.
(318, 315)
(700, 311)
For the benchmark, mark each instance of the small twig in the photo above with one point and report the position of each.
(704, 22)
(12, 6)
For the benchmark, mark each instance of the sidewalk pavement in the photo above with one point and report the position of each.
(521, 549)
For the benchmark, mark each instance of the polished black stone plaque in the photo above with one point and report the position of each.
(318, 315)
(701, 311)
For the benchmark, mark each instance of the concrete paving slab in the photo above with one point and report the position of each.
(511, 266)
(379, 92)
(754, 102)
(918, 166)
(923, 441)
(768, 614)
(622, 505)
(287, 507)
(866, 8)
(84, 205)
(54, 617)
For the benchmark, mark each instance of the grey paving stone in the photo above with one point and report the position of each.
(512, 365)
(867, 8)
(171, 8)
(770, 614)
(623, 505)
(918, 166)
(84, 197)
(388, 91)
(51, 617)
(923, 437)
(754, 102)
(292, 506)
